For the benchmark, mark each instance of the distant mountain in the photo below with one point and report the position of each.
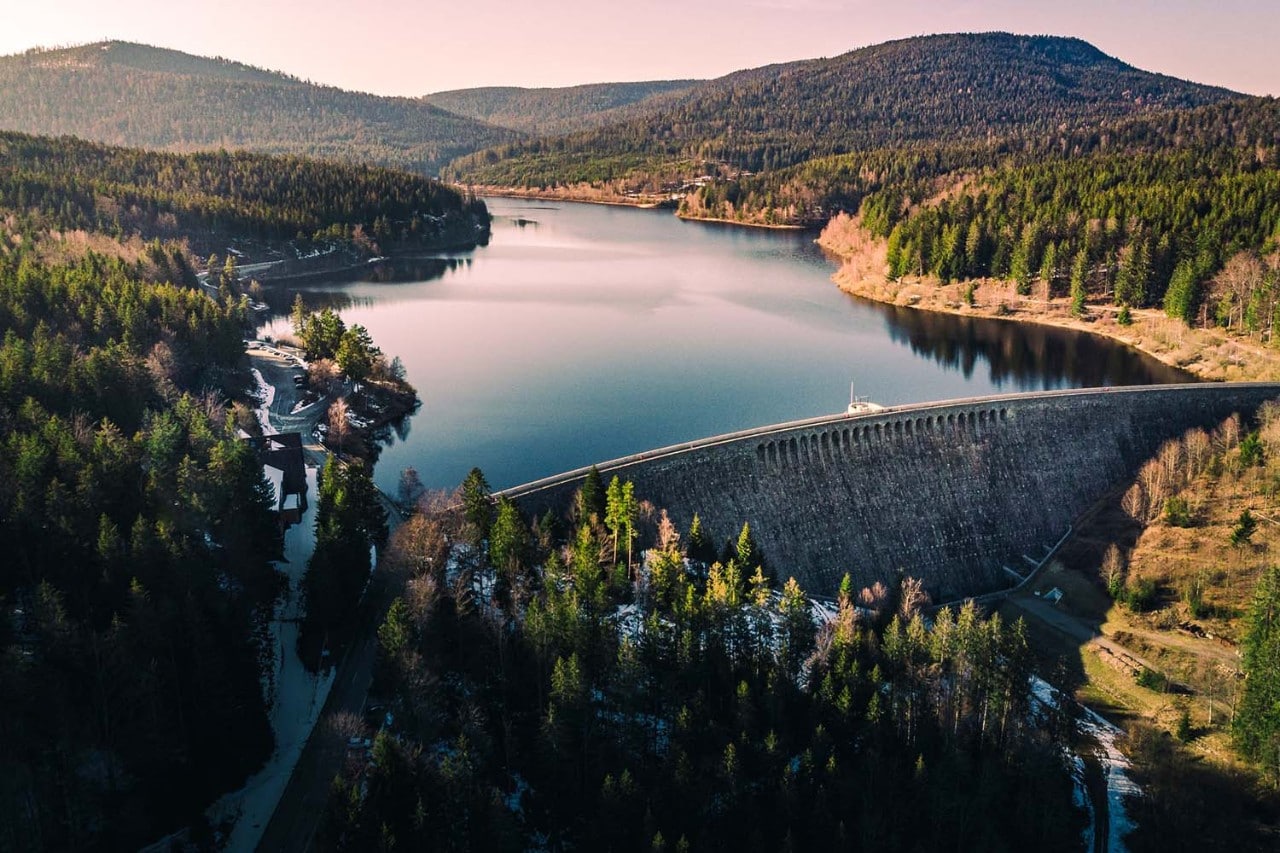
(131, 94)
(930, 88)
(561, 110)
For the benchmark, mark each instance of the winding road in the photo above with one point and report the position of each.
(297, 816)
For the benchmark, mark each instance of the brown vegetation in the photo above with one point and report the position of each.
(1208, 352)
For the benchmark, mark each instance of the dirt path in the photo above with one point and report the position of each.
(1080, 631)
(1187, 645)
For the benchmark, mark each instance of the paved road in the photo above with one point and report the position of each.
(279, 371)
(293, 825)
(297, 816)
(1077, 629)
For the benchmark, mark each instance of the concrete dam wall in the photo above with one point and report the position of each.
(952, 492)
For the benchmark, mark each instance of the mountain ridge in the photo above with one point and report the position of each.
(560, 109)
(925, 88)
(124, 93)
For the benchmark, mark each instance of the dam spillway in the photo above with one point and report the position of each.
(951, 492)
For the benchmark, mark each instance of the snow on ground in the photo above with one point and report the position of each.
(1115, 767)
(1081, 799)
(1120, 785)
(266, 393)
(297, 696)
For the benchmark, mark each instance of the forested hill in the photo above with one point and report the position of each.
(137, 531)
(931, 88)
(561, 110)
(130, 94)
(68, 184)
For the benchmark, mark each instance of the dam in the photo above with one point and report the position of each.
(960, 493)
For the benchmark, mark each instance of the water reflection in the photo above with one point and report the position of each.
(317, 289)
(583, 333)
(1027, 354)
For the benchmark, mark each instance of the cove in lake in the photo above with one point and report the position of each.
(582, 333)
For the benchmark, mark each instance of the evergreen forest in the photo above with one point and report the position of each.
(599, 680)
(120, 93)
(136, 524)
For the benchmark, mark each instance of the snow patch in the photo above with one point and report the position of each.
(296, 698)
(266, 394)
(1115, 768)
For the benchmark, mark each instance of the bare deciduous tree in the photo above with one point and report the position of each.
(1198, 449)
(668, 535)
(324, 376)
(874, 597)
(1134, 502)
(914, 598)
(339, 426)
(1113, 566)
(1228, 434)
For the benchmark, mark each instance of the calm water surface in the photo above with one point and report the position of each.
(583, 333)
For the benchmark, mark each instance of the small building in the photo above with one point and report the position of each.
(284, 467)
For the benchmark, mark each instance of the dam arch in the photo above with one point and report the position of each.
(950, 492)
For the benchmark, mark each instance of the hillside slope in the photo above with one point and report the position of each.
(561, 110)
(130, 94)
(931, 88)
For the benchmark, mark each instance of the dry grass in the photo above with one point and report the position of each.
(1208, 353)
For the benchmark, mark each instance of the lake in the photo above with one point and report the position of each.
(586, 332)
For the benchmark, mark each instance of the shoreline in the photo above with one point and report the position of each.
(483, 191)
(1207, 354)
(508, 192)
(296, 275)
(683, 217)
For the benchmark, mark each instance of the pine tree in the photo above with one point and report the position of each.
(699, 544)
(1182, 299)
(299, 317)
(1079, 283)
(590, 502)
(975, 262)
(1256, 728)
(1049, 268)
(896, 258)
(613, 511)
(394, 633)
(477, 505)
(746, 552)
(508, 537)
(630, 514)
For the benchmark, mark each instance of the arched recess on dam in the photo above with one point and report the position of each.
(949, 492)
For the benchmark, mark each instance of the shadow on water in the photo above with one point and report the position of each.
(1024, 353)
(326, 289)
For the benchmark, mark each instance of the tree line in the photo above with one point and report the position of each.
(135, 523)
(69, 184)
(131, 94)
(546, 685)
(137, 535)
(932, 89)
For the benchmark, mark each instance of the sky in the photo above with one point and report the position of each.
(412, 47)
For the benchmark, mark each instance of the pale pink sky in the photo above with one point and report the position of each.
(411, 47)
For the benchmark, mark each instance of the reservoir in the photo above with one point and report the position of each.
(583, 332)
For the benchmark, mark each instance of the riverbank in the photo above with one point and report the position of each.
(583, 196)
(1210, 354)
(763, 225)
(653, 202)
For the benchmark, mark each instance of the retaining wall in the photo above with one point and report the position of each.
(952, 492)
